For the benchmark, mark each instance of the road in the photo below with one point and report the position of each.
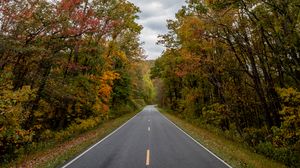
(148, 140)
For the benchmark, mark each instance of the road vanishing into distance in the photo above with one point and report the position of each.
(148, 140)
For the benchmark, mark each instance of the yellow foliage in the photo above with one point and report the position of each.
(97, 106)
(121, 55)
(109, 76)
(191, 29)
(75, 128)
(12, 116)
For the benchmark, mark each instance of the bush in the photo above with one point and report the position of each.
(265, 148)
(290, 115)
(12, 115)
(283, 154)
(137, 103)
(216, 115)
(76, 128)
(255, 136)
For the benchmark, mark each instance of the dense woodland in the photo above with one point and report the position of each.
(235, 65)
(65, 67)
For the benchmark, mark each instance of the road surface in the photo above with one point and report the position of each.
(148, 140)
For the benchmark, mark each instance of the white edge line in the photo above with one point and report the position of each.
(70, 162)
(197, 142)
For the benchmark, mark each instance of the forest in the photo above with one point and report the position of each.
(234, 65)
(65, 67)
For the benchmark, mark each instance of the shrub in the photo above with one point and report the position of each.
(283, 154)
(12, 115)
(290, 115)
(76, 128)
(216, 115)
(255, 136)
(280, 143)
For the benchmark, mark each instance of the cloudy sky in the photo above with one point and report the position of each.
(153, 16)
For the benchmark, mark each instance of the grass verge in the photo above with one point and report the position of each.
(56, 155)
(234, 153)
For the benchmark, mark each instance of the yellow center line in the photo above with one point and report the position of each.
(148, 158)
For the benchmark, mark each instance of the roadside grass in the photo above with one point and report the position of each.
(234, 153)
(51, 155)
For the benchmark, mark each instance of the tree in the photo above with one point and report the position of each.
(69, 62)
(224, 62)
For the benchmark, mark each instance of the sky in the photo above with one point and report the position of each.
(153, 17)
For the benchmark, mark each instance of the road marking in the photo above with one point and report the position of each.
(148, 128)
(69, 163)
(148, 120)
(148, 158)
(196, 141)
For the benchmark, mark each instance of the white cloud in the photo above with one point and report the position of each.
(153, 16)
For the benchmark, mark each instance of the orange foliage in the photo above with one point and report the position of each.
(106, 87)
(189, 63)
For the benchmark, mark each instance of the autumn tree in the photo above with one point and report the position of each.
(63, 66)
(224, 64)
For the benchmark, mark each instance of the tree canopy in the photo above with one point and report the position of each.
(66, 66)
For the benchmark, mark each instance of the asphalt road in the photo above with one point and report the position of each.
(148, 140)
